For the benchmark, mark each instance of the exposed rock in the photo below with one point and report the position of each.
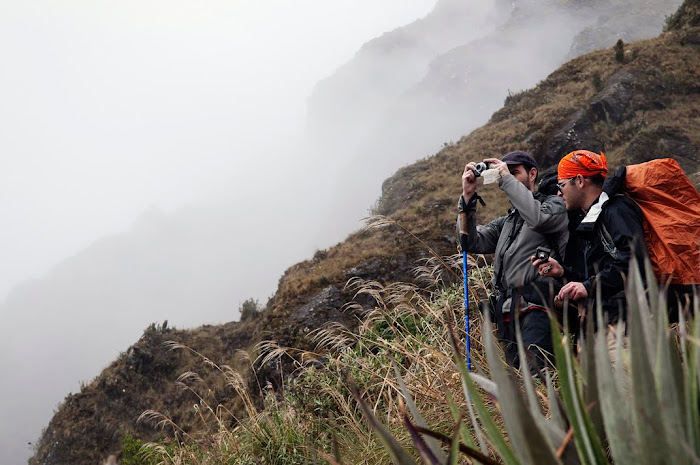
(611, 103)
(663, 142)
(321, 308)
(577, 133)
(138, 359)
(393, 269)
(398, 190)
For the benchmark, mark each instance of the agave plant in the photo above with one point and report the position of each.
(641, 409)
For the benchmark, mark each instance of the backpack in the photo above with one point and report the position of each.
(548, 184)
(671, 216)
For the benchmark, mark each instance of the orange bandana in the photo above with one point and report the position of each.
(584, 163)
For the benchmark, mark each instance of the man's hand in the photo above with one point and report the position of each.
(549, 268)
(573, 292)
(468, 181)
(496, 164)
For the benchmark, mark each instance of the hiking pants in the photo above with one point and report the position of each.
(537, 339)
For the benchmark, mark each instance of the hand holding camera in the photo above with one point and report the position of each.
(542, 253)
(480, 167)
(545, 264)
(491, 169)
(469, 180)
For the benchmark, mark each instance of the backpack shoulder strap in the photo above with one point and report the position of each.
(551, 237)
(515, 230)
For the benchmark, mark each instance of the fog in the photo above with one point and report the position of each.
(127, 128)
(110, 108)
(168, 160)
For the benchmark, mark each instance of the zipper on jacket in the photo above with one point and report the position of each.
(586, 250)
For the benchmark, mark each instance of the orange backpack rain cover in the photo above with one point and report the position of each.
(671, 207)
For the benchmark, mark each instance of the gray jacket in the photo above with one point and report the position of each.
(535, 220)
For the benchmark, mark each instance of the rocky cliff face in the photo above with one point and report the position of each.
(641, 105)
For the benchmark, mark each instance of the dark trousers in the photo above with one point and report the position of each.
(537, 339)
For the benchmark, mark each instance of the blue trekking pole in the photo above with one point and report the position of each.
(463, 243)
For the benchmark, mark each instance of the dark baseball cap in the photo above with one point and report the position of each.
(519, 158)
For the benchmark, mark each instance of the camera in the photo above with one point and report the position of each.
(480, 168)
(542, 253)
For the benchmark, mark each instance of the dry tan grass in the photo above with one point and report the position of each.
(408, 327)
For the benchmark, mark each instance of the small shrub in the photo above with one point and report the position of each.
(619, 51)
(673, 21)
(249, 309)
(513, 97)
(134, 454)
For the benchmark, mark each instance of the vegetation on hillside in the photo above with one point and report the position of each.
(314, 416)
(93, 422)
(399, 391)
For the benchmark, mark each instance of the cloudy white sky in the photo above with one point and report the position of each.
(110, 109)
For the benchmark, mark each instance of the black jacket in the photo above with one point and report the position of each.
(587, 260)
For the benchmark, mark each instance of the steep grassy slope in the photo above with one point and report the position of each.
(645, 106)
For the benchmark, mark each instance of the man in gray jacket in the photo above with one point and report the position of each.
(536, 220)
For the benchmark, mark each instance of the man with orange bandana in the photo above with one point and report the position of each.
(604, 231)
